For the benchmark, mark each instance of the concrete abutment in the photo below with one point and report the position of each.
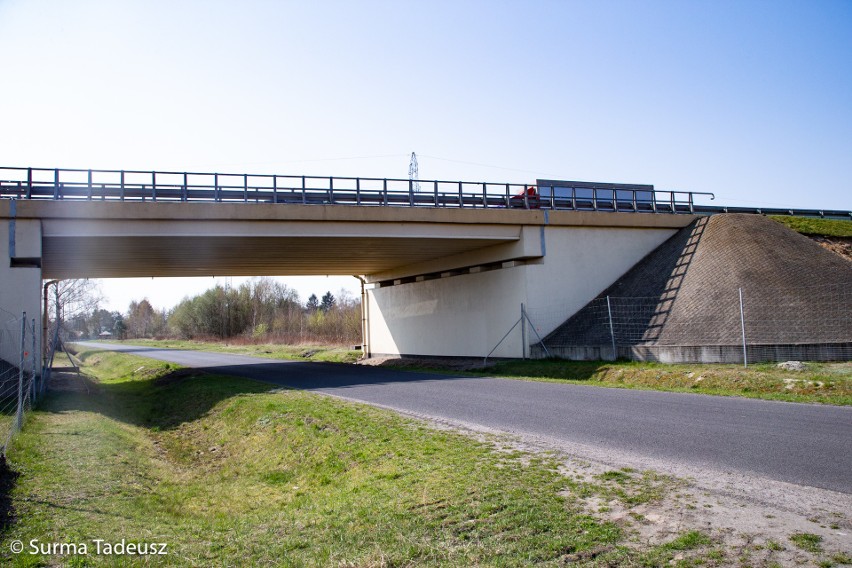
(20, 283)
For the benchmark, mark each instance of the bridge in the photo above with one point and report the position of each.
(444, 270)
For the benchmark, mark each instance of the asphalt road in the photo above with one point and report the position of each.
(806, 444)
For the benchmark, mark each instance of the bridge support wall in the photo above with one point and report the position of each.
(20, 276)
(465, 313)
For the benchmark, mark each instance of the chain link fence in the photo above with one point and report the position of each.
(734, 326)
(20, 373)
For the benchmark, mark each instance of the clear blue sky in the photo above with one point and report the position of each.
(750, 100)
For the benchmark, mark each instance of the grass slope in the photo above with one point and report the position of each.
(817, 227)
(229, 472)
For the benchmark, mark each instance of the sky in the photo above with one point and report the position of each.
(749, 100)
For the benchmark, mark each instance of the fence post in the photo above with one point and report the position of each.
(19, 420)
(523, 332)
(742, 327)
(33, 382)
(611, 329)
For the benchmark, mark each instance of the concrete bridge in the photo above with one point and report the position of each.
(445, 269)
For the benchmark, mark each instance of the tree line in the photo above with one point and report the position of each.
(260, 310)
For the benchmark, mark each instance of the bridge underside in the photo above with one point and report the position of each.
(120, 257)
(440, 281)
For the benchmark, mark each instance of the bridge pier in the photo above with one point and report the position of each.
(20, 276)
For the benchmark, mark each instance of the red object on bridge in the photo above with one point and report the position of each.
(532, 198)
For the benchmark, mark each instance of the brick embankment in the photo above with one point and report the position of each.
(685, 293)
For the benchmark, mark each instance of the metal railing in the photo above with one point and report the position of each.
(143, 186)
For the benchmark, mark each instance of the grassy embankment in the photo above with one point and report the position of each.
(228, 471)
(827, 383)
(816, 227)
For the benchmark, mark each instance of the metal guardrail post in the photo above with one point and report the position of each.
(56, 183)
(436, 193)
(385, 191)
(331, 190)
(89, 185)
(122, 185)
(357, 191)
(245, 188)
(484, 194)
(274, 189)
(304, 200)
(461, 196)
(183, 189)
(154, 186)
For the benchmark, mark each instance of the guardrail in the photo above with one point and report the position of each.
(163, 186)
(132, 185)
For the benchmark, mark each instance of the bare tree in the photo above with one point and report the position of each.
(76, 298)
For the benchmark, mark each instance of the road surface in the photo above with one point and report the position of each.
(805, 444)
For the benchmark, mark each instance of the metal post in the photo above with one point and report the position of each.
(90, 184)
(611, 329)
(19, 420)
(33, 361)
(523, 332)
(742, 326)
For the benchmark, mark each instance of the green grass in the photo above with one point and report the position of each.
(228, 471)
(324, 353)
(807, 541)
(817, 227)
(827, 383)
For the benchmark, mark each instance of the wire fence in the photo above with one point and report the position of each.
(21, 381)
(725, 326)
